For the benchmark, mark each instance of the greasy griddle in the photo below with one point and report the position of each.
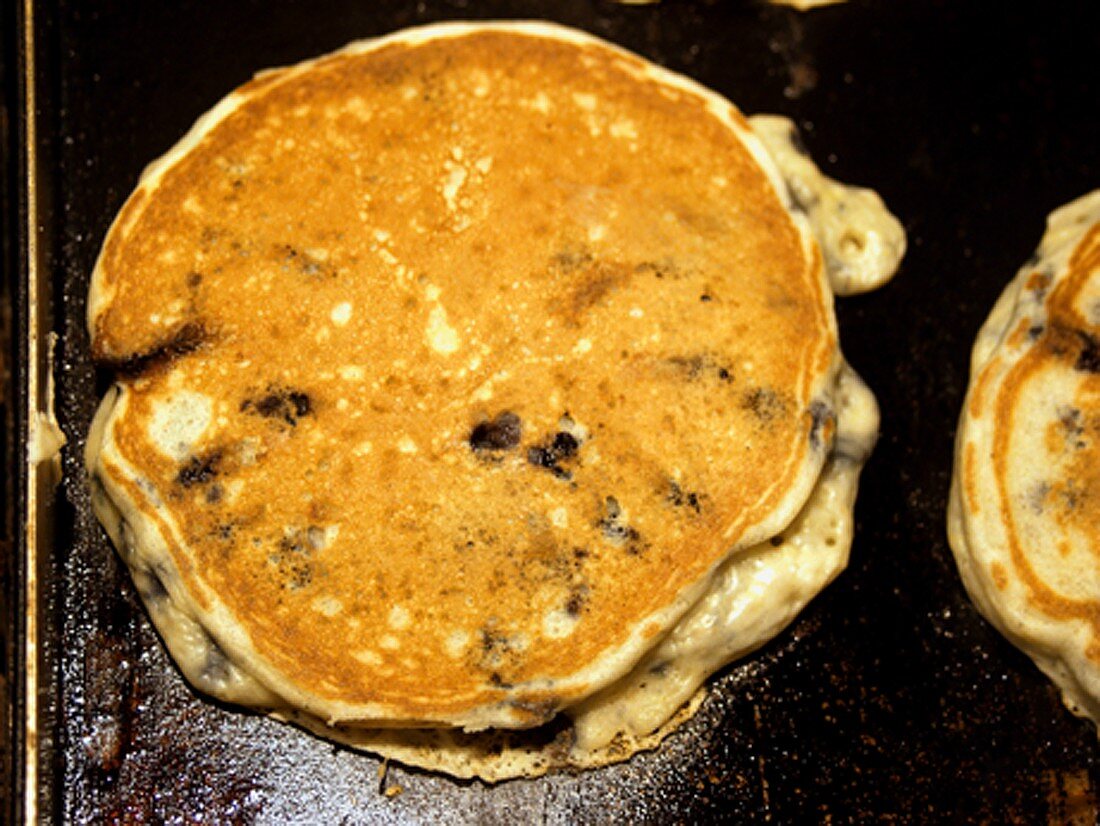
(889, 697)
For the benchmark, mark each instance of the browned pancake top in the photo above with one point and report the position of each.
(510, 344)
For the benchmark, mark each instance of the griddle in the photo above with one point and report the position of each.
(889, 699)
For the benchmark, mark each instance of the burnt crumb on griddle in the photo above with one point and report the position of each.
(705, 297)
(188, 338)
(764, 403)
(502, 433)
(1088, 360)
(821, 416)
(776, 541)
(199, 469)
(680, 497)
(281, 404)
(496, 680)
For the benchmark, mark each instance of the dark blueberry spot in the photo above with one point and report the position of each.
(653, 268)
(615, 530)
(698, 366)
(199, 469)
(292, 543)
(763, 402)
(541, 711)
(301, 575)
(282, 404)
(501, 433)
(549, 454)
(301, 403)
(572, 260)
(186, 340)
(801, 200)
(691, 365)
(1088, 360)
(679, 497)
(820, 415)
(152, 588)
(578, 598)
(216, 667)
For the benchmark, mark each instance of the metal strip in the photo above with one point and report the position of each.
(34, 336)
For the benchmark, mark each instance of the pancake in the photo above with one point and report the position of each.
(1024, 514)
(460, 373)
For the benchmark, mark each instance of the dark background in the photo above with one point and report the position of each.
(889, 699)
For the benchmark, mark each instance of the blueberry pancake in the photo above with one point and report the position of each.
(1024, 517)
(479, 393)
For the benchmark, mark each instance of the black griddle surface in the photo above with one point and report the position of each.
(889, 698)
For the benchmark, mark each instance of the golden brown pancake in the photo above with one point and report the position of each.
(452, 369)
(1024, 520)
